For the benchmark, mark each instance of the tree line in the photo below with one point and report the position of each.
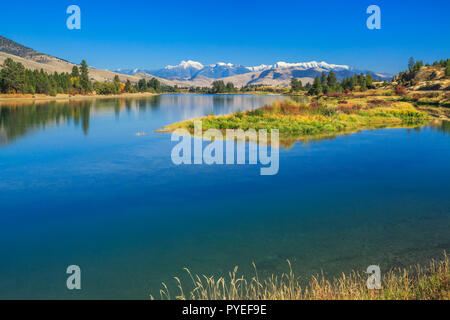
(16, 79)
(328, 83)
(218, 86)
(116, 86)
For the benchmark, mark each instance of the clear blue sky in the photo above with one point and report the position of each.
(151, 34)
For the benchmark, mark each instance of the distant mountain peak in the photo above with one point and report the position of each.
(190, 64)
(223, 64)
(300, 65)
(311, 65)
(261, 67)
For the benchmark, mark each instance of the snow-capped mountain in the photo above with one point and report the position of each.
(311, 65)
(260, 68)
(187, 65)
(221, 70)
(191, 69)
(191, 72)
(185, 70)
(300, 65)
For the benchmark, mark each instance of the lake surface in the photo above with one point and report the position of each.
(78, 186)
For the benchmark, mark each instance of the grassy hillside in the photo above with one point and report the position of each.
(34, 60)
(426, 78)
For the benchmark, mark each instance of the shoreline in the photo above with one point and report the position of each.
(6, 98)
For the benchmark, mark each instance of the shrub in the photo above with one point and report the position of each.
(289, 109)
(239, 114)
(257, 112)
(377, 103)
(400, 90)
(346, 109)
(314, 105)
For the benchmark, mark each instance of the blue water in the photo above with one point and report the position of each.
(79, 186)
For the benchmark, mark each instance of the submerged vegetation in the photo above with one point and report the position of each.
(323, 116)
(416, 283)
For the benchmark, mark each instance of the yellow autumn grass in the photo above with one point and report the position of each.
(416, 283)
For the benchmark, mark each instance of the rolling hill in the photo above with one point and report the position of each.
(34, 60)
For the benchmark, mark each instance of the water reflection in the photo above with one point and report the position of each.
(21, 118)
(440, 126)
(18, 119)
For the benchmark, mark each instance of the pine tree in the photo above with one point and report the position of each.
(316, 88)
(332, 81)
(128, 87)
(86, 84)
(323, 78)
(296, 85)
(218, 87)
(75, 72)
(230, 87)
(369, 79)
(142, 85)
(13, 77)
(411, 63)
(154, 84)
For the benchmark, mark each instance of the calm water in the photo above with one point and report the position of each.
(78, 186)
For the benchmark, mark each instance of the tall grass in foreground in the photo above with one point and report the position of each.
(416, 283)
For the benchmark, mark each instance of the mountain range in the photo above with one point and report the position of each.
(188, 73)
(279, 74)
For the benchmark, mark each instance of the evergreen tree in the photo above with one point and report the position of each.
(117, 84)
(142, 85)
(296, 85)
(128, 87)
(230, 87)
(411, 63)
(316, 88)
(86, 84)
(155, 84)
(218, 87)
(323, 79)
(75, 72)
(369, 79)
(332, 81)
(12, 77)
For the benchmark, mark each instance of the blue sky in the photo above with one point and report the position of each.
(151, 34)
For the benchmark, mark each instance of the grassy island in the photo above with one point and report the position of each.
(321, 116)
